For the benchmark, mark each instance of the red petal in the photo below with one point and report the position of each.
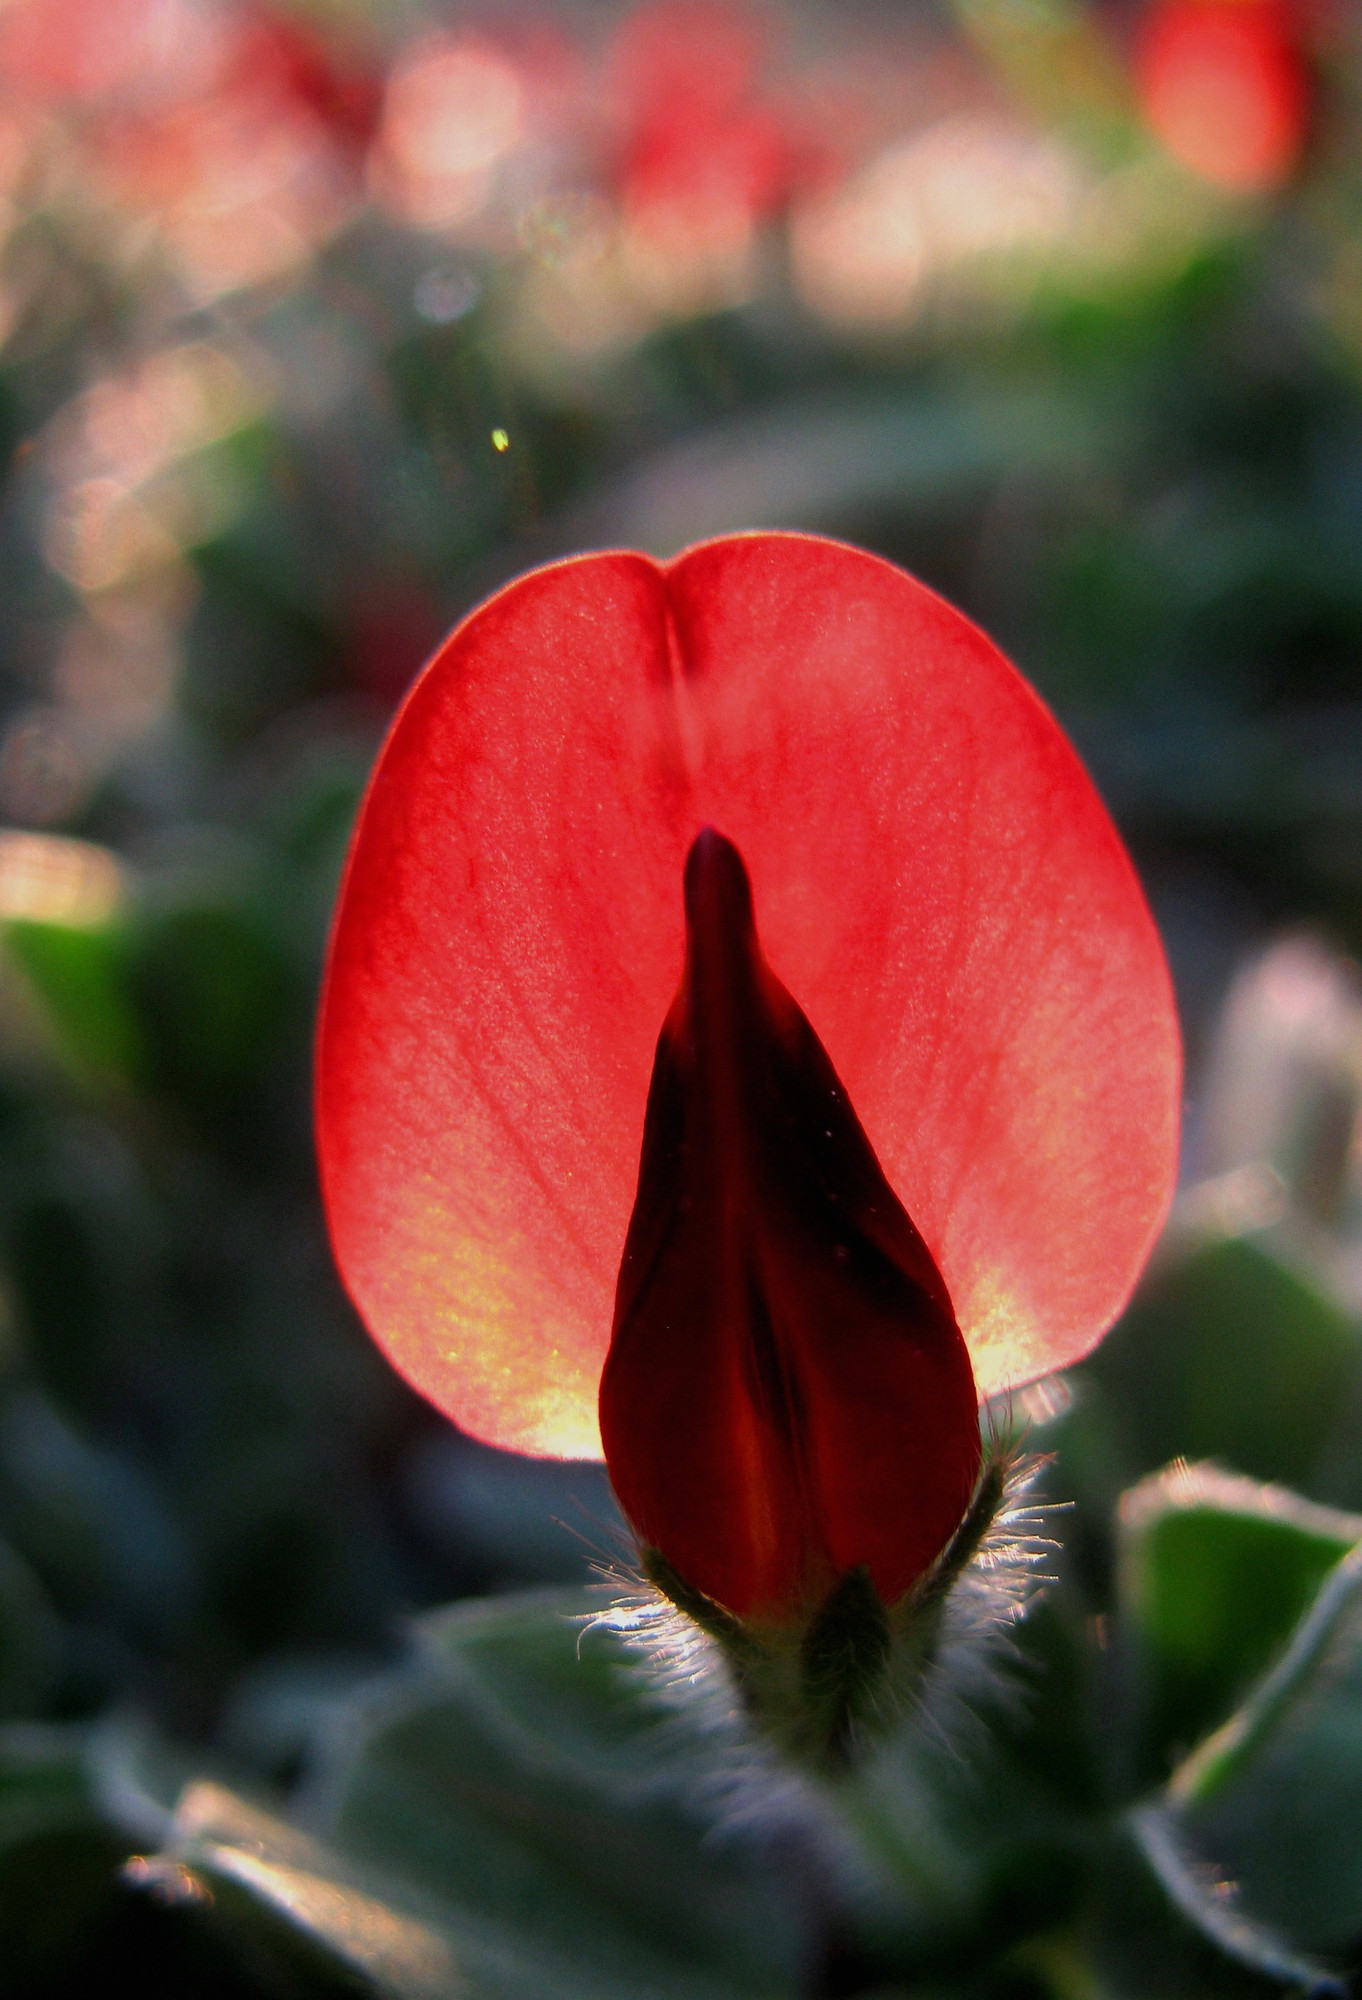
(939, 887)
(787, 1395)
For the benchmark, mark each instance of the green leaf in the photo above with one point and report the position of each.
(1214, 1572)
(30, 1637)
(44, 1781)
(210, 986)
(58, 1854)
(513, 1815)
(529, 1765)
(1167, 1923)
(961, 1854)
(78, 976)
(92, 1521)
(295, 1904)
(1231, 1355)
(825, 460)
(73, 1801)
(1271, 1803)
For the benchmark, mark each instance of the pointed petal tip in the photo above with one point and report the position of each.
(718, 888)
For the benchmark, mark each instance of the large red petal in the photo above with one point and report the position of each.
(940, 889)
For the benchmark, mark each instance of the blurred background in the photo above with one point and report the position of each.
(319, 319)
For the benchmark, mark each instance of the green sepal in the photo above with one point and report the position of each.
(826, 1688)
(844, 1661)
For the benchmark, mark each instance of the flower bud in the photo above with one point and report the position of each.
(787, 1397)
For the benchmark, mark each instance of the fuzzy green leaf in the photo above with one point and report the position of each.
(1165, 1922)
(1214, 1573)
(78, 975)
(58, 1853)
(1231, 1355)
(509, 1817)
(1267, 1809)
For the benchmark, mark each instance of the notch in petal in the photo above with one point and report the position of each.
(939, 885)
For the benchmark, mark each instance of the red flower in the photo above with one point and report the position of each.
(703, 152)
(937, 888)
(1224, 86)
(278, 52)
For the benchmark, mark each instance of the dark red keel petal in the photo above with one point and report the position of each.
(787, 1394)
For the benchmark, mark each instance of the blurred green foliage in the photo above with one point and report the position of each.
(249, 404)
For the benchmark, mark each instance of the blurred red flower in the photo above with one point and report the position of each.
(120, 54)
(83, 52)
(1224, 86)
(703, 153)
(938, 889)
(283, 54)
(236, 130)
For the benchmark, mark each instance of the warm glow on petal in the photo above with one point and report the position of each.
(939, 889)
